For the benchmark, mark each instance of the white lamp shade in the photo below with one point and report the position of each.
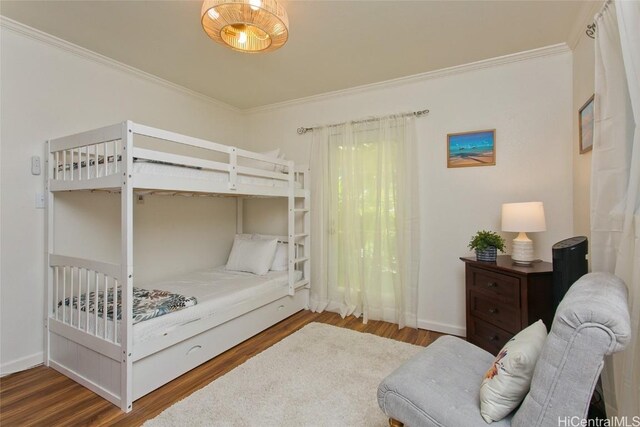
(523, 217)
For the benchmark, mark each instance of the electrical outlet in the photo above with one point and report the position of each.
(40, 201)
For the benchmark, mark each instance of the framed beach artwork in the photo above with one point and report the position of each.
(477, 148)
(585, 125)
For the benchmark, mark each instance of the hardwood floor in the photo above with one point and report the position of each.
(43, 397)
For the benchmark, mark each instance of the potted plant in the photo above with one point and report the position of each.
(486, 244)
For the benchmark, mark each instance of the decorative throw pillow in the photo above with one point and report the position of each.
(508, 380)
(251, 255)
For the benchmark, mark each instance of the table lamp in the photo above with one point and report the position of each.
(522, 218)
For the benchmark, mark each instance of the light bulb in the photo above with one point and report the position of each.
(213, 14)
(255, 4)
(242, 37)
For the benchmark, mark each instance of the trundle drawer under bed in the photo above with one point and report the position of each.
(157, 369)
(102, 374)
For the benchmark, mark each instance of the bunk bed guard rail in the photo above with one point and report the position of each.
(96, 160)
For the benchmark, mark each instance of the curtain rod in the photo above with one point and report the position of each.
(303, 130)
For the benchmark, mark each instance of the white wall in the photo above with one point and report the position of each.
(49, 92)
(529, 103)
(172, 234)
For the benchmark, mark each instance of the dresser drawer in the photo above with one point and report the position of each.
(502, 298)
(502, 288)
(502, 315)
(487, 336)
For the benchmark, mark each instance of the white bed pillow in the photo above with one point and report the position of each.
(281, 260)
(507, 381)
(281, 168)
(259, 164)
(252, 255)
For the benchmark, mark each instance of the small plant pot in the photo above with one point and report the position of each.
(488, 255)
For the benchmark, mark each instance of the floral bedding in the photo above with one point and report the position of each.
(147, 304)
(110, 159)
(83, 163)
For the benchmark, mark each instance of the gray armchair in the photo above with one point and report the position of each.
(440, 386)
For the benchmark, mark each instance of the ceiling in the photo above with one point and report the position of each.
(333, 45)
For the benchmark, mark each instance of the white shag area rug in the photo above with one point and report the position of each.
(321, 375)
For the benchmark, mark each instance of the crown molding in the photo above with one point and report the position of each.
(59, 43)
(552, 50)
(51, 40)
(585, 16)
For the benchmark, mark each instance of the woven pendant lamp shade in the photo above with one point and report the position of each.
(246, 25)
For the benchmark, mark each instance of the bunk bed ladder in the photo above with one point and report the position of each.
(298, 245)
(306, 233)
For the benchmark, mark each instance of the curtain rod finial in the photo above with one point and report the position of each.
(303, 130)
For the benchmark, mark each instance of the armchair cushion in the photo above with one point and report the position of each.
(426, 390)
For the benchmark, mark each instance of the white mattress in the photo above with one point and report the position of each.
(165, 169)
(151, 168)
(215, 290)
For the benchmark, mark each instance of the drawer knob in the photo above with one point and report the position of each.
(493, 310)
(492, 285)
(494, 338)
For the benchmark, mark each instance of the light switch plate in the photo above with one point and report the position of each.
(36, 168)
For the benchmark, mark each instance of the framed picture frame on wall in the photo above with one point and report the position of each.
(475, 148)
(585, 125)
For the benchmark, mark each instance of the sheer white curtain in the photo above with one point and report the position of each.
(615, 184)
(365, 222)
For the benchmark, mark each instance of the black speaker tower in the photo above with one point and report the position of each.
(569, 264)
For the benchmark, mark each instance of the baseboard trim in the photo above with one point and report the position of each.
(21, 364)
(444, 328)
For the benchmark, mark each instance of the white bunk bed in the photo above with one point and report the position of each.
(102, 352)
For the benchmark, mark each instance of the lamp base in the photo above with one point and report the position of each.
(522, 250)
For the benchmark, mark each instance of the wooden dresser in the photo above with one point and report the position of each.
(504, 298)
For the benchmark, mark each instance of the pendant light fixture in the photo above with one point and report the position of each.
(249, 26)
